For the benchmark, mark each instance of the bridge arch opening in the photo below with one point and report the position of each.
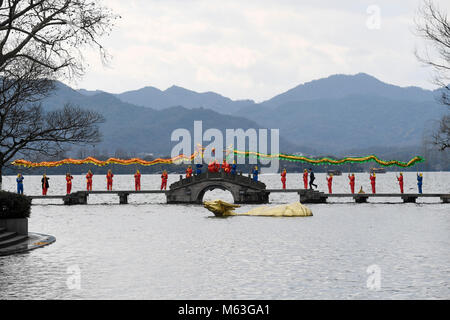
(216, 193)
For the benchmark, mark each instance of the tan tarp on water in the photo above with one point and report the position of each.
(222, 208)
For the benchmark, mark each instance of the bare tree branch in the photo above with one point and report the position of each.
(434, 26)
(52, 32)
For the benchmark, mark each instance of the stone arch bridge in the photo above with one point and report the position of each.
(242, 188)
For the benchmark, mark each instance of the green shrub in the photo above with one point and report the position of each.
(14, 206)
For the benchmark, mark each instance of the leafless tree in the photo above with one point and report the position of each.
(42, 41)
(26, 129)
(434, 26)
(52, 32)
(441, 137)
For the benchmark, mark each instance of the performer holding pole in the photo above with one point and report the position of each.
(233, 167)
(109, 180)
(400, 182)
(45, 184)
(419, 182)
(352, 182)
(89, 181)
(255, 173)
(137, 181)
(283, 178)
(305, 178)
(189, 172)
(69, 179)
(19, 181)
(372, 182)
(164, 178)
(330, 183)
(211, 167)
(198, 169)
(226, 166)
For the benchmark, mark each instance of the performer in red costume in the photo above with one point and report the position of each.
(211, 167)
(305, 178)
(137, 181)
(45, 184)
(226, 166)
(330, 183)
(69, 182)
(109, 180)
(216, 166)
(372, 182)
(189, 172)
(164, 178)
(400, 182)
(283, 178)
(89, 180)
(352, 182)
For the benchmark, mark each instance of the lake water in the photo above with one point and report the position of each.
(150, 250)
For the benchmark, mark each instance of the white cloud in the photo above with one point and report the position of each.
(254, 49)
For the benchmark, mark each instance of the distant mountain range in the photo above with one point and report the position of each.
(357, 121)
(334, 87)
(330, 115)
(135, 129)
(154, 98)
(340, 86)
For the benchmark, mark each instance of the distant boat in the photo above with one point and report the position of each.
(377, 170)
(335, 172)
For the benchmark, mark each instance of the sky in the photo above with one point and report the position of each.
(256, 49)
